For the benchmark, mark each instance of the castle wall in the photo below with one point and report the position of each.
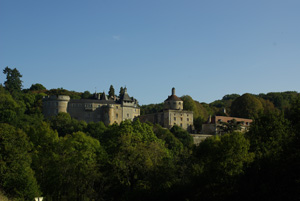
(209, 128)
(181, 118)
(91, 110)
(96, 111)
(156, 118)
(130, 113)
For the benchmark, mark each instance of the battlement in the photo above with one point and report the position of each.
(56, 98)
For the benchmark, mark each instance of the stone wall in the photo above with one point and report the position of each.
(180, 118)
(91, 110)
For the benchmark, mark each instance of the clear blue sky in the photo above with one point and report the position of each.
(203, 48)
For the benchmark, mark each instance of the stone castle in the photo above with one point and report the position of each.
(100, 108)
(117, 109)
(172, 114)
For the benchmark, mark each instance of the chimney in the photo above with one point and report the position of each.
(173, 91)
(209, 119)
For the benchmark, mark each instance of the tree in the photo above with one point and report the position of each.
(268, 135)
(230, 97)
(137, 159)
(229, 127)
(200, 112)
(171, 142)
(183, 136)
(95, 129)
(45, 142)
(220, 162)
(151, 108)
(16, 176)
(13, 81)
(73, 168)
(274, 174)
(111, 92)
(64, 124)
(37, 87)
(121, 92)
(246, 106)
(9, 109)
(86, 95)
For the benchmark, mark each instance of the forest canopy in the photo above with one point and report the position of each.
(61, 158)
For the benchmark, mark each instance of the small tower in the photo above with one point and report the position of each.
(173, 102)
(103, 96)
(173, 91)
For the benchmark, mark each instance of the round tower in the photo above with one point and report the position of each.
(62, 103)
(110, 114)
(173, 102)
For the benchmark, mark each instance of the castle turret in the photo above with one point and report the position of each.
(173, 102)
(103, 97)
(55, 104)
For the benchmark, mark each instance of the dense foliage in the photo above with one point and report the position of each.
(64, 159)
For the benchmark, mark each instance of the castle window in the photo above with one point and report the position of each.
(174, 118)
(117, 107)
(180, 125)
(188, 119)
(179, 103)
(127, 115)
(181, 119)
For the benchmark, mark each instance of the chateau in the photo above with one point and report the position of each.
(117, 109)
(172, 114)
(100, 108)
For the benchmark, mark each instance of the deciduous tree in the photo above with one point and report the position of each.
(13, 81)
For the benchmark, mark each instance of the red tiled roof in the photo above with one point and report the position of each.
(173, 98)
(225, 119)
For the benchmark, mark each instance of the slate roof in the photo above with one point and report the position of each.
(92, 101)
(125, 96)
(103, 96)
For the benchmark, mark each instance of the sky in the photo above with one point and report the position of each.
(203, 48)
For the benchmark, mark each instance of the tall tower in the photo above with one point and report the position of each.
(173, 102)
